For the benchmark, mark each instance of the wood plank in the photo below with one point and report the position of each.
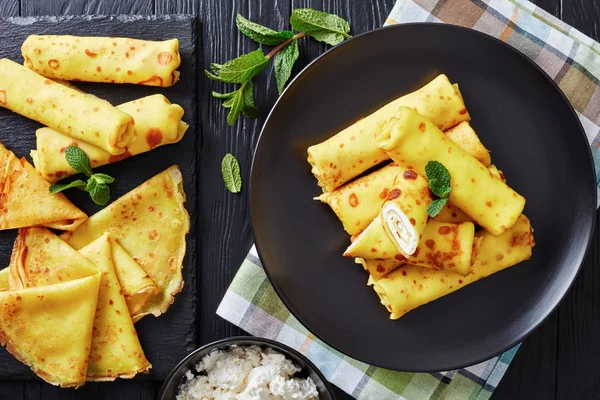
(552, 6)
(9, 8)
(578, 376)
(532, 372)
(86, 7)
(176, 7)
(226, 235)
(583, 15)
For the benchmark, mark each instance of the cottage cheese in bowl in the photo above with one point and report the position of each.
(246, 373)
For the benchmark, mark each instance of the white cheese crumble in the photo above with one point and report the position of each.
(246, 373)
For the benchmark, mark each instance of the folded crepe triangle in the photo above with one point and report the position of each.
(49, 328)
(25, 199)
(150, 223)
(41, 258)
(116, 351)
(135, 282)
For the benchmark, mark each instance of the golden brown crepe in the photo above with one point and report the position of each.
(496, 172)
(49, 328)
(409, 287)
(26, 201)
(411, 138)
(41, 258)
(357, 203)
(103, 59)
(135, 282)
(443, 246)
(150, 222)
(116, 351)
(4, 284)
(65, 109)
(157, 122)
(466, 138)
(353, 150)
(397, 229)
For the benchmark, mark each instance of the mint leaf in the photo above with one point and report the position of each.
(223, 95)
(249, 110)
(212, 76)
(439, 178)
(103, 178)
(59, 187)
(322, 26)
(284, 62)
(241, 69)
(261, 34)
(78, 160)
(236, 104)
(99, 192)
(230, 168)
(434, 208)
(215, 68)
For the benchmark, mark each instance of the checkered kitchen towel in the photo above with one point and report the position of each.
(573, 61)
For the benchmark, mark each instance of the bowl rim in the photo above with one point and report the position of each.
(549, 310)
(233, 341)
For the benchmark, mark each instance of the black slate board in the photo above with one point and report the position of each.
(168, 338)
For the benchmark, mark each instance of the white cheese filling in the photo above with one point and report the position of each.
(399, 229)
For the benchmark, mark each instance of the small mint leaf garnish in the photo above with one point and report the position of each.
(438, 178)
(230, 168)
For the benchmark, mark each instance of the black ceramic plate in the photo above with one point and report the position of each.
(534, 137)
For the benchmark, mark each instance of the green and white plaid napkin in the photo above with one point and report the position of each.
(573, 61)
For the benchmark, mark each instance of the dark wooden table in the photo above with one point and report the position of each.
(558, 361)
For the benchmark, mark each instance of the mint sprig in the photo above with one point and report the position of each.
(322, 26)
(438, 178)
(230, 169)
(96, 185)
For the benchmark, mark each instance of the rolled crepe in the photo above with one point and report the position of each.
(496, 172)
(377, 269)
(356, 203)
(103, 59)
(411, 138)
(65, 109)
(157, 122)
(25, 198)
(442, 246)
(466, 138)
(353, 150)
(397, 229)
(409, 286)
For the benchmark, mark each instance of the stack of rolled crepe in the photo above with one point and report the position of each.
(107, 134)
(68, 304)
(413, 259)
